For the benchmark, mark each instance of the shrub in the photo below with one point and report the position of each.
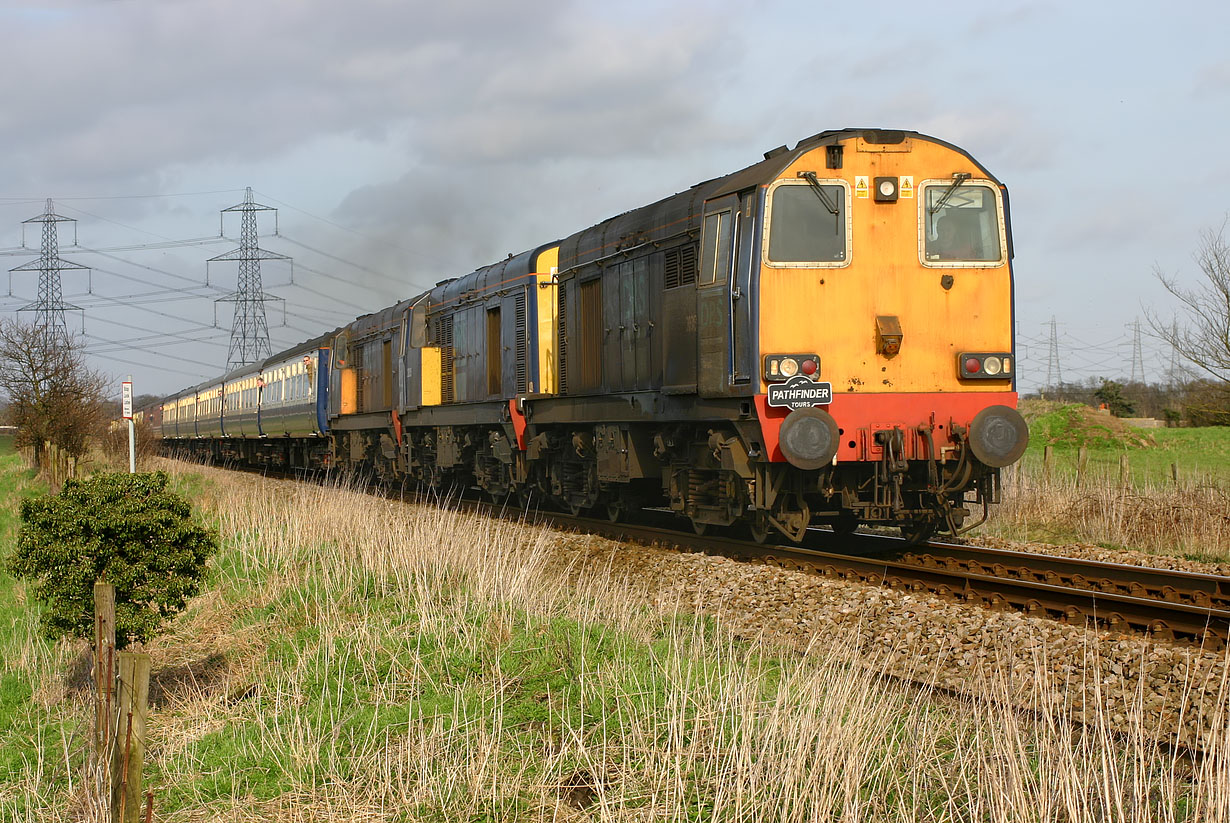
(114, 442)
(124, 529)
(1111, 395)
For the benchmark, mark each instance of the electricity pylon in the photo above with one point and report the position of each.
(249, 330)
(1052, 362)
(49, 308)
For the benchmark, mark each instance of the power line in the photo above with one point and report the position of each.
(362, 236)
(196, 374)
(358, 266)
(120, 196)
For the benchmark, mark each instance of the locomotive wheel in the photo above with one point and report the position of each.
(759, 528)
(526, 500)
(918, 532)
(845, 523)
(616, 510)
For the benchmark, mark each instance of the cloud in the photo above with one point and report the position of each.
(135, 86)
(1007, 19)
(1212, 81)
(534, 144)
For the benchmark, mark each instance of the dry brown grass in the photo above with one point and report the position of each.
(1189, 519)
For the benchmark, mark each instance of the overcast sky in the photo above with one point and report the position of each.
(405, 142)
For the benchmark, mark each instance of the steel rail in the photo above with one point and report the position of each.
(1194, 588)
(963, 575)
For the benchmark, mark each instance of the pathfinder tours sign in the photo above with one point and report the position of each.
(799, 392)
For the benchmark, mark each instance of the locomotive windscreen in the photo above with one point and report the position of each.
(965, 226)
(807, 225)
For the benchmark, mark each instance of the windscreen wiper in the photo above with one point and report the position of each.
(957, 179)
(810, 177)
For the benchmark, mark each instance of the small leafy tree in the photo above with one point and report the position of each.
(124, 529)
(52, 396)
(1111, 393)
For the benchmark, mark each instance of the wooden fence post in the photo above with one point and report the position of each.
(1046, 462)
(1174, 473)
(1082, 463)
(1125, 471)
(126, 765)
(104, 667)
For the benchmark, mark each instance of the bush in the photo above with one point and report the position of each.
(124, 529)
(114, 442)
(1111, 395)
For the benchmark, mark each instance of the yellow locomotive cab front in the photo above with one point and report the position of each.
(886, 260)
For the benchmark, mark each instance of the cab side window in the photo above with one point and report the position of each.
(715, 249)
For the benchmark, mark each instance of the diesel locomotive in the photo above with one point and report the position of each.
(822, 338)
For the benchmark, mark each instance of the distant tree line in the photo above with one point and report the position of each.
(1193, 403)
(1200, 334)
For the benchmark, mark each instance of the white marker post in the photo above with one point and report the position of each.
(132, 435)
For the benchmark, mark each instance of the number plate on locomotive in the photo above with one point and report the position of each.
(799, 392)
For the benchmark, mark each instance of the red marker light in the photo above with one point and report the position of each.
(809, 367)
(972, 365)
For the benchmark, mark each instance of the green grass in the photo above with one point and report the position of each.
(1201, 455)
(29, 731)
(419, 665)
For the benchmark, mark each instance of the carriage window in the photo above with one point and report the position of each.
(715, 250)
(961, 224)
(808, 224)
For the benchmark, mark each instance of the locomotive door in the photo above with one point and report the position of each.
(742, 350)
(626, 316)
(715, 295)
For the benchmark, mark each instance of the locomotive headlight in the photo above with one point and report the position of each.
(886, 189)
(984, 365)
(782, 367)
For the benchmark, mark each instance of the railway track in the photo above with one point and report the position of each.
(1160, 603)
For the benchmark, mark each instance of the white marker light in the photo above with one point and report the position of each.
(992, 365)
(790, 366)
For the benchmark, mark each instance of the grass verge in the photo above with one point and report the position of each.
(358, 659)
(1162, 491)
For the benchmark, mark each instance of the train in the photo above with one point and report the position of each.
(822, 338)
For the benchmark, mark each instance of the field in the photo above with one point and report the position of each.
(1200, 455)
(1152, 511)
(357, 659)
